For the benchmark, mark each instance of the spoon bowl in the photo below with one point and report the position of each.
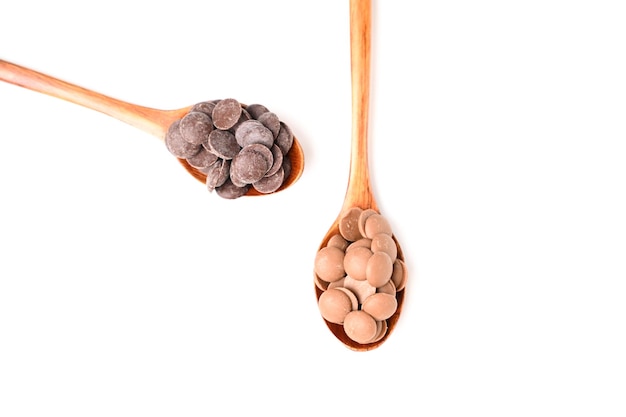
(153, 121)
(359, 191)
(337, 329)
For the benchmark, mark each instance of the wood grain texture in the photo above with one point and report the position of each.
(152, 121)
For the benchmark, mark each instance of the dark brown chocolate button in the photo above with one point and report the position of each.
(253, 131)
(270, 121)
(251, 163)
(203, 159)
(278, 161)
(226, 113)
(217, 174)
(270, 184)
(205, 107)
(256, 110)
(244, 116)
(178, 146)
(223, 144)
(287, 166)
(195, 127)
(284, 140)
(231, 191)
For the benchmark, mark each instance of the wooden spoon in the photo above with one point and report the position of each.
(359, 192)
(153, 121)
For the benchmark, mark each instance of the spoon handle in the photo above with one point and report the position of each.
(359, 191)
(149, 120)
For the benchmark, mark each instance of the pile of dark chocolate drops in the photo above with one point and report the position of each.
(236, 146)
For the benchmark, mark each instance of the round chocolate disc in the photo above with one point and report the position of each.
(226, 113)
(277, 154)
(205, 107)
(217, 174)
(203, 159)
(195, 127)
(256, 110)
(253, 131)
(223, 144)
(178, 146)
(231, 191)
(251, 163)
(270, 121)
(270, 184)
(285, 138)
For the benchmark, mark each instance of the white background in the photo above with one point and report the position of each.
(498, 147)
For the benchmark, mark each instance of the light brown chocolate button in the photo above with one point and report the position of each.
(364, 215)
(334, 305)
(362, 289)
(251, 163)
(376, 224)
(381, 330)
(381, 306)
(195, 127)
(178, 146)
(399, 274)
(352, 296)
(388, 288)
(383, 242)
(338, 241)
(349, 224)
(363, 242)
(360, 326)
(378, 269)
(334, 284)
(226, 113)
(329, 264)
(356, 261)
(321, 284)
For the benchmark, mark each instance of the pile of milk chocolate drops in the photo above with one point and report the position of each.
(360, 273)
(236, 146)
